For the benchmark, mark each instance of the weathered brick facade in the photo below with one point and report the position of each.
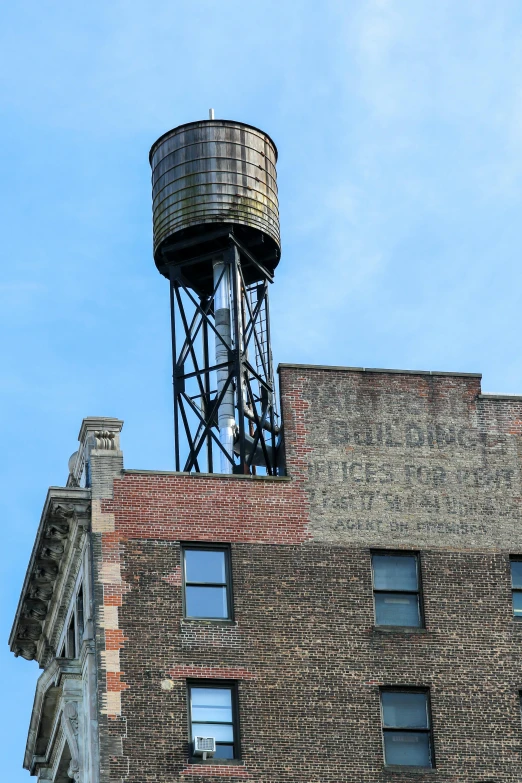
(375, 459)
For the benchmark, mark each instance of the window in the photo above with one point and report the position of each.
(79, 616)
(213, 713)
(70, 643)
(516, 587)
(206, 573)
(396, 589)
(406, 728)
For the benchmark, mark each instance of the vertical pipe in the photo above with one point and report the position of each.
(242, 326)
(174, 373)
(238, 343)
(271, 381)
(207, 406)
(226, 417)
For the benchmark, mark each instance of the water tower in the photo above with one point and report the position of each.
(216, 239)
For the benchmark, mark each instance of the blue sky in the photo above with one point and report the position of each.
(399, 127)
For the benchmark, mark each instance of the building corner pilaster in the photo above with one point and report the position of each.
(103, 463)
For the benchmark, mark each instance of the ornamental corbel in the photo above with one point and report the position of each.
(46, 571)
(31, 631)
(57, 530)
(42, 591)
(62, 513)
(70, 729)
(35, 610)
(52, 550)
(24, 649)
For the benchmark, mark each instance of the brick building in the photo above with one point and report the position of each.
(353, 615)
(376, 581)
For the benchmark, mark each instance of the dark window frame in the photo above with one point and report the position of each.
(209, 547)
(232, 686)
(80, 616)
(71, 637)
(514, 559)
(429, 731)
(418, 592)
(74, 625)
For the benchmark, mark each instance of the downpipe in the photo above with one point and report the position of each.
(222, 318)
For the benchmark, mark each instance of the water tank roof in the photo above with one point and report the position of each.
(187, 125)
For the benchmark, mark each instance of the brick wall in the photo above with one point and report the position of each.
(399, 460)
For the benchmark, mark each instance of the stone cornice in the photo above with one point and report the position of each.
(65, 517)
(98, 425)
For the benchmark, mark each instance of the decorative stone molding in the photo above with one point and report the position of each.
(99, 433)
(41, 590)
(35, 610)
(70, 729)
(31, 631)
(52, 550)
(65, 517)
(45, 572)
(105, 439)
(55, 720)
(57, 531)
(24, 649)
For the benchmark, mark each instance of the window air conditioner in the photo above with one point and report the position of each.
(204, 746)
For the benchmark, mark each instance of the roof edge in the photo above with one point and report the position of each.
(215, 121)
(186, 474)
(501, 397)
(340, 368)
